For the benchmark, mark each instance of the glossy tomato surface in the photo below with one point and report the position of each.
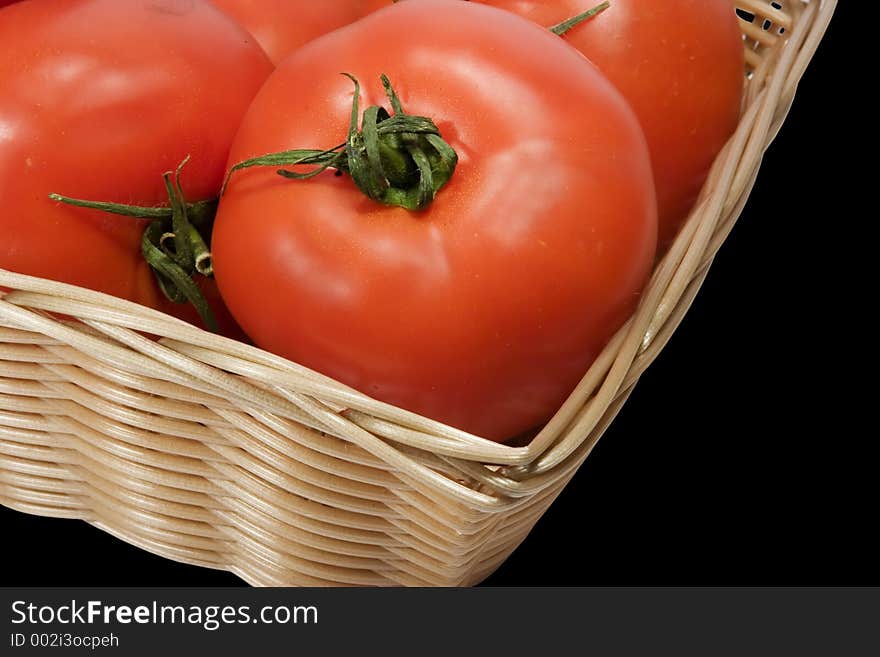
(282, 26)
(485, 309)
(99, 98)
(680, 65)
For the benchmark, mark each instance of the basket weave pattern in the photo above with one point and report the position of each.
(215, 453)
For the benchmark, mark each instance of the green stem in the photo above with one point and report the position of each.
(175, 282)
(200, 213)
(172, 243)
(398, 159)
(566, 25)
(183, 249)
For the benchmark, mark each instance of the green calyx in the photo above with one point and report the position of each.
(398, 159)
(172, 243)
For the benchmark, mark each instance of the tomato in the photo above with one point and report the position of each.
(100, 97)
(376, 5)
(680, 65)
(484, 309)
(282, 26)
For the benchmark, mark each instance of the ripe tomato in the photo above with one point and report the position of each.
(483, 310)
(680, 65)
(100, 97)
(376, 5)
(282, 26)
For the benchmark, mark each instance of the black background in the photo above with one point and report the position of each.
(745, 455)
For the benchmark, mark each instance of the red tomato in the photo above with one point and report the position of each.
(100, 97)
(483, 310)
(680, 65)
(282, 26)
(376, 5)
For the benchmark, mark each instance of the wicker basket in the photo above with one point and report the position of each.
(215, 453)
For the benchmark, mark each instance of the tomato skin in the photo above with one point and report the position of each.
(680, 65)
(484, 310)
(282, 26)
(376, 5)
(100, 97)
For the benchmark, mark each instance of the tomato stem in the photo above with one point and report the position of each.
(563, 27)
(172, 243)
(200, 214)
(398, 159)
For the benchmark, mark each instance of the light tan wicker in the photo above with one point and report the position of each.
(215, 453)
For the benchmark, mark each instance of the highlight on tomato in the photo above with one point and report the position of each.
(461, 221)
(680, 65)
(100, 98)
